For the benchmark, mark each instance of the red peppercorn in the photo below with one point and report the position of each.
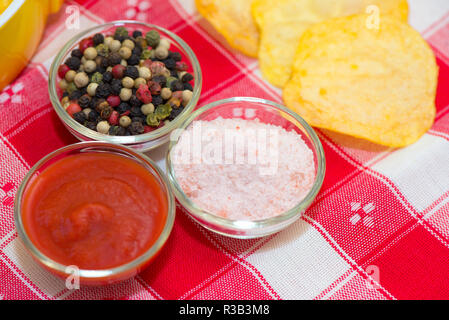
(113, 118)
(62, 70)
(154, 87)
(148, 129)
(85, 43)
(177, 95)
(126, 113)
(144, 94)
(118, 70)
(73, 108)
(146, 63)
(157, 67)
(113, 100)
(181, 66)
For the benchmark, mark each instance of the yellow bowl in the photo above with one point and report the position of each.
(21, 26)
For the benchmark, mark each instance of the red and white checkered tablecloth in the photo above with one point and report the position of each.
(379, 228)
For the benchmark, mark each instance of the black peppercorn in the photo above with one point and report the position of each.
(116, 86)
(114, 58)
(174, 113)
(123, 107)
(134, 101)
(175, 56)
(169, 63)
(137, 33)
(120, 131)
(93, 116)
(160, 79)
(77, 53)
(187, 77)
(135, 112)
(177, 86)
(137, 50)
(104, 63)
(131, 72)
(75, 95)
(136, 128)
(107, 76)
(79, 117)
(138, 119)
(173, 73)
(188, 86)
(114, 130)
(97, 39)
(157, 100)
(103, 90)
(134, 59)
(92, 125)
(84, 101)
(73, 63)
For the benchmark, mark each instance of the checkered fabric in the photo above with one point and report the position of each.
(379, 228)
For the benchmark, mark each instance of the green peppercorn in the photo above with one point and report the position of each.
(170, 80)
(102, 50)
(97, 77)
(121, 32)
(163, 111)
(153, 37)
(71, 87)
(142, 42)
(146, 54)
(152, 120)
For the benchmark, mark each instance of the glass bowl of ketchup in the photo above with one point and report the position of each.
(94, 212)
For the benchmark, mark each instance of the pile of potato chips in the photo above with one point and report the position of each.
(352, 66)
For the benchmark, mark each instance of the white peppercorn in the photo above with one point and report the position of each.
(125, 121)
(186, 97)
(147, 108)
(81, 79)
(166, 93)
(138, 82)
(145, 73)
(107, 41)
(70, 75)
(161, 53)
(128, 82)
(128, 44)
(103, 127)
(164, 43)
(90, 53)
(90, 66)
(92, 88)
(125, 52)
(115, 45)
(125, 94)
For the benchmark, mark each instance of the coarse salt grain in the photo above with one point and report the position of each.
(241, 188)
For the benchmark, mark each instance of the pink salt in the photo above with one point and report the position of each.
(241, 190)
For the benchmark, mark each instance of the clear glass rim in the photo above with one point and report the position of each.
(247, 225)
(100, 273)
(136, 139)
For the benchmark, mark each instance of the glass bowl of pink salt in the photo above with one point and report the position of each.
(245, 167)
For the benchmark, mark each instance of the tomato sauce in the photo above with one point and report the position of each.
(94, 210)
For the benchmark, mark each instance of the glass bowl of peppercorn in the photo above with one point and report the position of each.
(125, 82)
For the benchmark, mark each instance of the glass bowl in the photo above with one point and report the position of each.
(103, 276)
(142, 142)
(267, 112)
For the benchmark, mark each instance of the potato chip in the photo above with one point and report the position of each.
(233, 19)
(373, 83)
(282, 22)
